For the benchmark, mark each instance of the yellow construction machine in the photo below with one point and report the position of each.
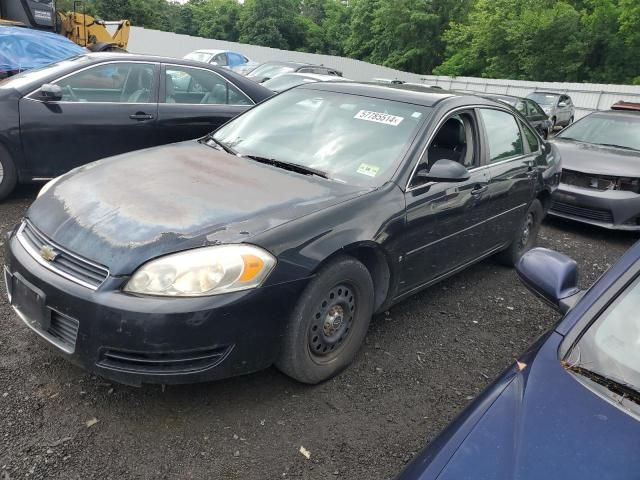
(76, 25)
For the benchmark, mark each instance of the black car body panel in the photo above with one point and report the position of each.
(124, 211)
(91, 215)
(46, 139)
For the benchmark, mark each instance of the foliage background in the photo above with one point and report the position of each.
(542, 40)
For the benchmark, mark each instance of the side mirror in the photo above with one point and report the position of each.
(50, 93)
(214, 63)
(445, 171)
(551, 276)
(562, 104)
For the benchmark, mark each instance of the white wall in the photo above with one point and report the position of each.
(586, 96)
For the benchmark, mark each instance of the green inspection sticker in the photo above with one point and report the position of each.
(368, 170)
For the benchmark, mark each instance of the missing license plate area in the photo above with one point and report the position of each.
(30, 302)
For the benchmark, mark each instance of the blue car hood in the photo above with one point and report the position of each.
(23, 48)
(546, 424)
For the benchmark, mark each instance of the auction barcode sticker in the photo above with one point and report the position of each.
(379, 117)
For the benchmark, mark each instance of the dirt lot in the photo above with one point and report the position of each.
(422, 363)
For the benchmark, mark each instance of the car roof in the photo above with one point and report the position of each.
(314, 76)
(285, 63)
(399, 93)
(544, 92)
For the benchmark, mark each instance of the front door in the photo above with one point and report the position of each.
(445, 221)
(194, 102)
(105, 110)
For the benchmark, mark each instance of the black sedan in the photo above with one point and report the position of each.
(529, 110)
(275, 239)
(93, 106)
(601, 182)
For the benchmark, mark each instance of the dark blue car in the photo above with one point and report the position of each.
(569, 407)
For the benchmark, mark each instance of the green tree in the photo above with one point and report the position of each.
(217, 19)
(272, 23)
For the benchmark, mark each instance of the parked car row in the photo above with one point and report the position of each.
(230, 229)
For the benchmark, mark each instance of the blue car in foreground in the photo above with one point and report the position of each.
(569, 408)
(23, 49)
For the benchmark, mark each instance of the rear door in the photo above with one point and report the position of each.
(105, 110)
(446, 221)
(195, 101)
(513, 171)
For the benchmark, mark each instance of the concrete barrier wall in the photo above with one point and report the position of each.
(587, 97)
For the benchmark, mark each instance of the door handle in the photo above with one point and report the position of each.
(141, 116)
(479, 190)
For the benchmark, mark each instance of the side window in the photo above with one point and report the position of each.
(532, 139)
(305, 70)
(455, 140)
(188, 85)
(220, 60)
(235, 59)
(503, 134)
(531, 109)
(111, 82)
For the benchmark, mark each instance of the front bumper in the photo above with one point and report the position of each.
(132, 339)
(613, 209)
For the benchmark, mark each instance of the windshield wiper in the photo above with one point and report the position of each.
(210, 138)
(617, 146)
(614, 385)
(293, 167)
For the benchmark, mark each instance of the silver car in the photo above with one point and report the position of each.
(600, 181)
(558, 107)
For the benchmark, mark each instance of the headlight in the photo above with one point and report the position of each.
(203, 271)
(48, 185)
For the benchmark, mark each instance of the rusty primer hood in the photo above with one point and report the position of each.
(123, 211)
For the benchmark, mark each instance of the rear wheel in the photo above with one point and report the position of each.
(8, 175)
(329, 322)
(525, 237)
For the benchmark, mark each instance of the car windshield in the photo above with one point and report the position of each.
(283, 82)
(622, 130)
(610, 347)
(543, 98)
(352, 139)
(269, 70)
(199, 56)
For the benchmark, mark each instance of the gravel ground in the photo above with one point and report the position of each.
(422, 363)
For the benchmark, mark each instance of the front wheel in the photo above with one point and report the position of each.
(8, 175)
(525, 237)
(329, 322)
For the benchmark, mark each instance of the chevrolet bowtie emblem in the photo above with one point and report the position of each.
(48, 253)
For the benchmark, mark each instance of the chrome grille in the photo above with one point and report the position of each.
(60, 261)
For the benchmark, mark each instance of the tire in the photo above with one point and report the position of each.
(322, 336)
(525, 237)
(553, 124)
(570, 121)
(8, 174)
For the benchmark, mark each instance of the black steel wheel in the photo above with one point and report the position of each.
(332, 321)
(8, 174)
(328, 323)
(525, 237)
